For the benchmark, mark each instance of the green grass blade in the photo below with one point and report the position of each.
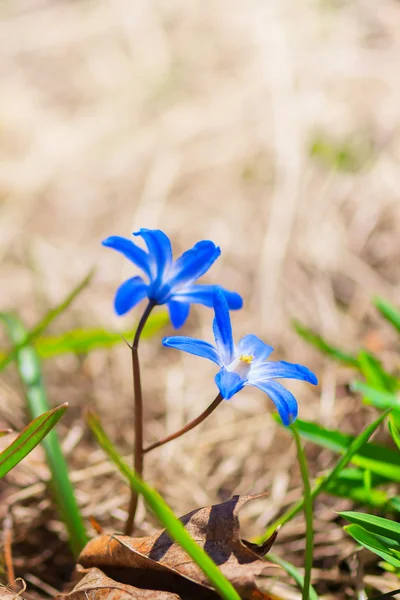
(394, 432)
(174, 527)
(29, 368)
(375, 374)
(52, 314)
(377, 398)
(29, 438)
(351, 484)
(292, 572)
(323, 482)
(374, 525)
(388, 311)
(374, 457)
(377, 544)
(82, 341)
(325, 347)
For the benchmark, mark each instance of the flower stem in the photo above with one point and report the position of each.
(187, 427)
(308, 513)
(138, 417)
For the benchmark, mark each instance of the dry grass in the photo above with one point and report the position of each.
(271, 128)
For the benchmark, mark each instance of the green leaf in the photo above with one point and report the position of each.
(376, 458)
(375, 525)
(324, 482)
(389, 311)
(394, 432)
(377, 544)
(354, 447)
(29, 337)
(29, 438)
(29, 368)
(325, 347)
(292, 572)
(173, 525)
(382, 400)
(351, 484)
(375, 374)
(82, 341)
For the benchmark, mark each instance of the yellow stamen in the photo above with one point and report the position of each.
(247, 358)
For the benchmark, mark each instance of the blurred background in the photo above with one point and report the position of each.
(272, 128)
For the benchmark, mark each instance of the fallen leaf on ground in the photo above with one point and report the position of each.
(97, 586)
(160, 562)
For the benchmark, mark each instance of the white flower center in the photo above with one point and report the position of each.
(241, 365)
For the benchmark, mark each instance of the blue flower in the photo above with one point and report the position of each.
(169, 282)
(244, 364)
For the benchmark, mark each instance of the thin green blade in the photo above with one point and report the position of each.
(374, 525)
(323, 483)
(82, 341)
(45, 321)
(375, 374)
(293, 573)
(173, 525)
(324, 346)
(382, 400)
(351, 484)
(374, 457)
(373, 543)
(30, 437)
(389, 311)
(30, 371)
(394, 432)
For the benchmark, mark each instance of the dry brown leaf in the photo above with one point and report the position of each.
(215, 528)
(97, 586)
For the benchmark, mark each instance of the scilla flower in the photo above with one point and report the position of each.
(169, 282)
(244, 364)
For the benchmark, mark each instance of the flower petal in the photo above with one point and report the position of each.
(193, 346)
(284, 400)
(253, 346)
(178, 312)
(282, 370)
(193, 263)
(204, 294)
(130, 293)
(229, 383)
(223, 329)
(135, 254)
(160, 252)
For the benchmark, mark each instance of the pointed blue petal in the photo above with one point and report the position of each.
(253, 346)
(229, 383)
(193, 346)
(135, 254)
(282, 370)
(284, 400)
(193, 264)
(178, 312)
(130, 293)
(204, 294)
(160, 252)
(223, 329)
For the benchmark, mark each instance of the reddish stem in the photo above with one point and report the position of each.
(187, 427)
(138, 418)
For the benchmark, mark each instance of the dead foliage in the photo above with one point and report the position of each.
(117, 115)
(127, 567)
